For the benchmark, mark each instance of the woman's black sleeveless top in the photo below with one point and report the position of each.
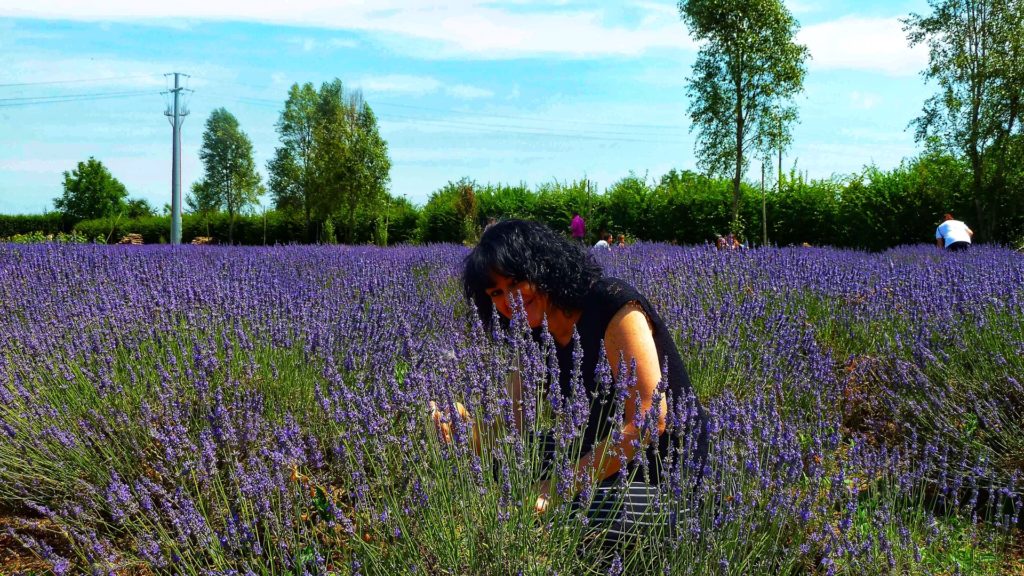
(606, 297)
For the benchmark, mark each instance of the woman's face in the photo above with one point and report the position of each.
(535, 302)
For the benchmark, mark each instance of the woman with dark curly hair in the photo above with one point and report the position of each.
(558, 280)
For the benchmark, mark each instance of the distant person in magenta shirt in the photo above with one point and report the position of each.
(578, 227)
(953, 235)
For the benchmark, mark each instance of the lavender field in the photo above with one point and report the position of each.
(235, 411)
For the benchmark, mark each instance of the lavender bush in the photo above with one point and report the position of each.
(201, 410)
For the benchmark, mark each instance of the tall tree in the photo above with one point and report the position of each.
(371, 171)
(230, 171)
(359, 168)
(293, 178)
(744, 80)
(975, 57)
(333, 160)
(91, 191)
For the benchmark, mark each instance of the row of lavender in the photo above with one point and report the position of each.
(219, 411)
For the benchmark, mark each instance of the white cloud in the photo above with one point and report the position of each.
(865, 44)
(410, 154)
(37, 165)
(307, 44)
(10, 34)
(864, 100)
(881, 135)
(399, 84)
(342, 43)
(825, 158)
(447, 28)
(88, 74)
(656, 13)
(418, 86)
(106, 72)
(466, 92)
(804, 7)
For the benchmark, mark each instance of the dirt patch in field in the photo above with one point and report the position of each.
(16, 558)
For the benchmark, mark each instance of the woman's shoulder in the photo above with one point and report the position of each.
(608, 295)
(611, 287)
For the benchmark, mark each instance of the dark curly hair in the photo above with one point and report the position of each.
(529, 251)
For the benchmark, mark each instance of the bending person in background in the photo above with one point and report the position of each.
(560, 281)
(953, 235)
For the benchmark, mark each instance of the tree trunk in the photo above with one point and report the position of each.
(737, 175)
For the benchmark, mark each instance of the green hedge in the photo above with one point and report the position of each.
(253, 230)
(13, 224)
(874, 209)
(277, 228)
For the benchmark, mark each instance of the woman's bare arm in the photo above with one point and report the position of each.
(631, 337)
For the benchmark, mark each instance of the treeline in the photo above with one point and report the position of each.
(331, 166)
(398, 225)
(874, 209)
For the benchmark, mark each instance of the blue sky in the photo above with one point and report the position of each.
(498, 91)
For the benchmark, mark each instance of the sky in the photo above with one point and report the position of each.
(513, 91)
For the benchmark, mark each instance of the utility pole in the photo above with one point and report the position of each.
(176, 116)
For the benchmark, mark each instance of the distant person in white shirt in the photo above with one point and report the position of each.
(605, 243)
(953, 235)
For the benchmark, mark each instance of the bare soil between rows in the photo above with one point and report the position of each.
(15, 558)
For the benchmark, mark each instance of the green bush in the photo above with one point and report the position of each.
(255, 230)
(627, 204)
(691, 208)
(13, 224)
(38, 237)
(556, 201)
(153, 228)
(805, 211)
(500, 201)
(450, 214)
(873, 209)
(402, 220)
(551, 203)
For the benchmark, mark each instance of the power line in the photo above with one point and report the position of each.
(532, 119)
(456, 123)
(79, 98)
(470, 113)
(504, 128)
(60, 96)
(278, 103)
(530, 131)
(80, 81)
